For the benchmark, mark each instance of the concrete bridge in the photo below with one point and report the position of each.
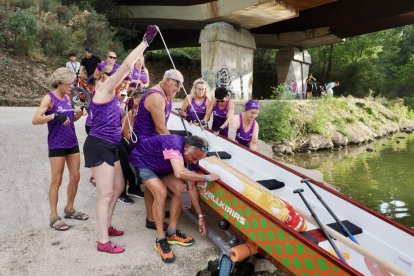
(230, 30)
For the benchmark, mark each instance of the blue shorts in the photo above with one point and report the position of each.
(145, 173)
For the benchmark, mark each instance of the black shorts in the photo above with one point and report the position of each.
(63, 152)
(87, 129)
(98, 151)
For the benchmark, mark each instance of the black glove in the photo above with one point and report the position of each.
(60, 117)
(151, 32)
(203, 123)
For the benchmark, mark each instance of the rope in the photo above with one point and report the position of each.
(186, 94)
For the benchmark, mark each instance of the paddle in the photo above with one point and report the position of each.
(344, 228)
(299, 191)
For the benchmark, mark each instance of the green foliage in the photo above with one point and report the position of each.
(278, 119)
(187, 53)
(25, 27)
(409, 102)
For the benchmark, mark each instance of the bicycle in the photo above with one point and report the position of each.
(81, 93)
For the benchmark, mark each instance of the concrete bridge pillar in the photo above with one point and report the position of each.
(293, 68)
(227, 58)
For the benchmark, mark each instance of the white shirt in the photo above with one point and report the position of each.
(73, 66)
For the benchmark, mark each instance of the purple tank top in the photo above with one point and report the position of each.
(219, 117)
(155, 153)
(138, 74)
(107, 120)
(144, 125)
(60, 136)
(200, 110)
(242, 136)
(104, 63)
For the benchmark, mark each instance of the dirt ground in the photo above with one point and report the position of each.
(28, 246)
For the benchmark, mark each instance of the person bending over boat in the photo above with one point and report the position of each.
(222, 109)
(199, 99)
(154, 109)
(161, 162)
(57, 111)
(100, 148)
(244, 128)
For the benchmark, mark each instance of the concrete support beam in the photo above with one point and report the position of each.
(293, 69)
(227, 58)
(245, 13)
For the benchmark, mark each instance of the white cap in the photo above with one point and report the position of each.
(175, 75)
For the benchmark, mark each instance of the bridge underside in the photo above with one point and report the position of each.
(274, 24)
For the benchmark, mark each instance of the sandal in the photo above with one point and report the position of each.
(57, 224)
(73, 214)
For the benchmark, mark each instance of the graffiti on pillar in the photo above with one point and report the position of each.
(223, 78)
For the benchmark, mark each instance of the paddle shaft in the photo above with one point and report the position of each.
(338, 252)
(344, 228)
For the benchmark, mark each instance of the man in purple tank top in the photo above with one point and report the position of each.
(57, 111)
(153, 112)
(101, 146)
(161, 162)
(244, 128)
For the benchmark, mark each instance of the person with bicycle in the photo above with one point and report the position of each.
(101, 146)
(88, 65)
(57, 111)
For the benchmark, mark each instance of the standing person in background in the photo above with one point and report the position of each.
(57, 111)
(139, 76)
(73, 65)
(109, 63)
(88, 65)
(330, 86)
(310, 85)
(222, 109)
(244, 128)
(100, 148)
(199, 99)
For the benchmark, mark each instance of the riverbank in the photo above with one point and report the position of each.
(325, 123)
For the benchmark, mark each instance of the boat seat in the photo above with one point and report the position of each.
(180, 132)
(316, 235)
(222, 154)
(271, 184)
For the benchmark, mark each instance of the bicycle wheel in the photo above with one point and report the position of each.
(80, 98)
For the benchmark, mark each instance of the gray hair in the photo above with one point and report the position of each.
(60, 76)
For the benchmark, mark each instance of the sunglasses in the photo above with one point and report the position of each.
(112, 57)
(204, 148)
(176, 81)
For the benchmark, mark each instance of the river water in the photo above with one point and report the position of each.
(382, 180)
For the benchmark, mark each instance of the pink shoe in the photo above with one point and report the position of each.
(114, 232)
(109, 247)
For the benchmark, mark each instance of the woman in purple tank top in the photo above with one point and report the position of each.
(244, 128)
(57, 111)
(110, 63)
(199, 99)
(139, 75)
(101, 146)
(222, 110)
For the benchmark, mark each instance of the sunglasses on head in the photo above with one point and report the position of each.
(204, 148)
(112, 57)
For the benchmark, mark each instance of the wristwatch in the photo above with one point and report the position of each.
(201, 216)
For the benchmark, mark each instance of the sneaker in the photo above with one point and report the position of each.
(165, 251)
(137, 194)
(125, 199)
(114, 232)
(151, 225)
(109, 247)
(180, 239)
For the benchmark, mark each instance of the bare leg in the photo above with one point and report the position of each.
(118, 189)
(149, 201)
(104, 175)
(57, 166)
(176, 186)
(159, 192)
(73, 163)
